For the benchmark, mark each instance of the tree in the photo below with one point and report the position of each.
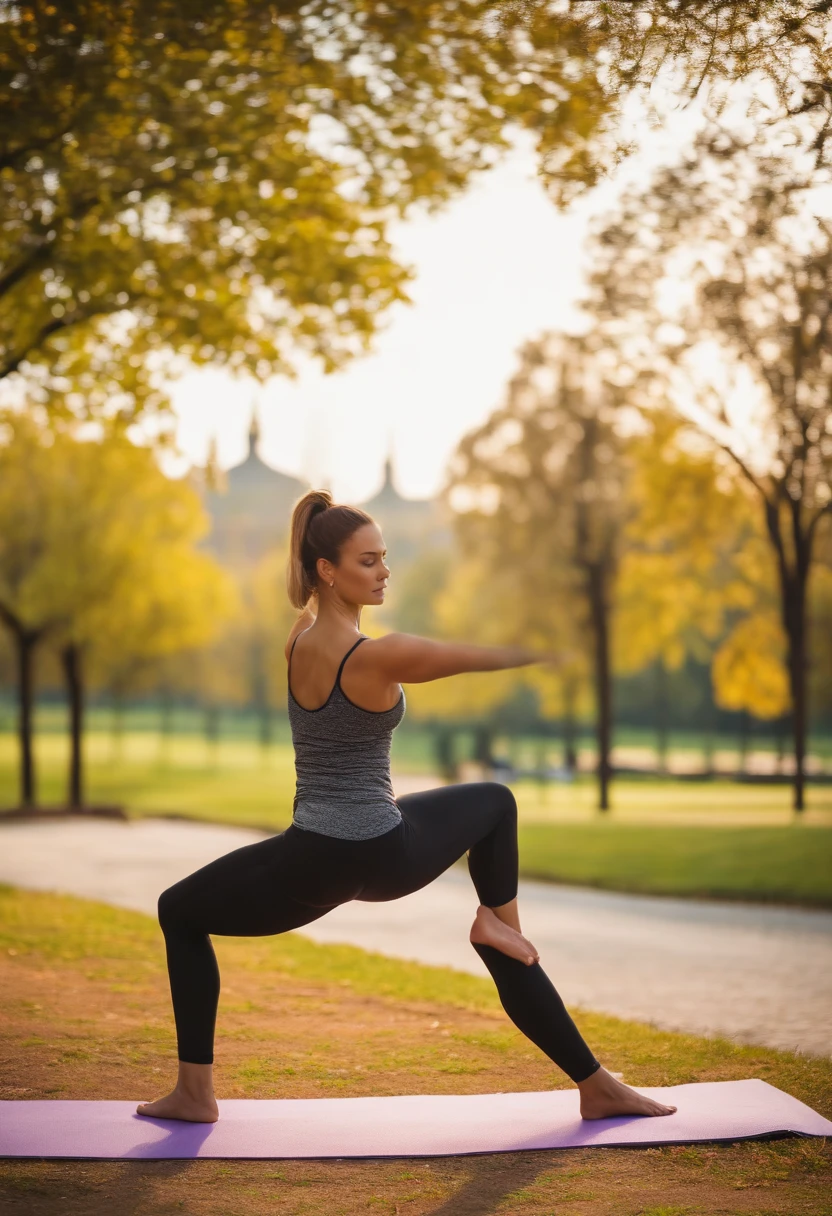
(539, 489)
(820, 623)
(737, 225)
(780, 48)
(749, 671)
(181, 605)
(187, 183)
(25, 610)
(472, 604)
(96, 540)
(256, 642)
(684, 570)
(211, 183)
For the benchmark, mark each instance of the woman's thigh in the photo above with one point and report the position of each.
(438, 828)
(269, 887)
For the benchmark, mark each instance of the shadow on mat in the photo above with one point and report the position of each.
(182, 1140)
(490, 1180)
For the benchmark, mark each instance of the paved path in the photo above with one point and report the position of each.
(758, 974)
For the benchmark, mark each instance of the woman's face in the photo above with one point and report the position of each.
(362, 573)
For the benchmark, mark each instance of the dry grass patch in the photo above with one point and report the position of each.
(86, 1015)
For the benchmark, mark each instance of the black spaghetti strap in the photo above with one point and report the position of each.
(346, 656)
(337, 683)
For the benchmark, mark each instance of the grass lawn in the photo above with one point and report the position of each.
(711, 838)
(779, 864)
(86, 1015)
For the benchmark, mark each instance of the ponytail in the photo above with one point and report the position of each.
(318, 529)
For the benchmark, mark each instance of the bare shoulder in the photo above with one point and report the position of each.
(302, 623)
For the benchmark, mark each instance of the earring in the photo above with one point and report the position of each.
(332, 584)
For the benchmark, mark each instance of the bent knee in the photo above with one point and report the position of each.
(505, 798)
(168, 906)
(500, 803)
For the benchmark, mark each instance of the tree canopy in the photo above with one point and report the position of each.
(98, 557)
(715, 280)
(191, 183)
(213, 181)
(540, 491)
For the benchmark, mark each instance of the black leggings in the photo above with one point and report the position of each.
(294, 878)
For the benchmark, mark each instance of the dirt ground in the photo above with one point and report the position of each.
(84, 1027)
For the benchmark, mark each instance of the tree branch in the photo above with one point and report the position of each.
(52, 327)
(816, 518)
(743, 467)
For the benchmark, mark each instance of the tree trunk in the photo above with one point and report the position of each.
(570, 749)
(603, 684)
(515, 752)
(25, 642)
(71, 656)
(793, 579)
(661, 717)
(482, 751)
(444, 751)
(117, 725)
(708, 746)
(211, 723)
(165, 724)
(797, 681)
(743, 743)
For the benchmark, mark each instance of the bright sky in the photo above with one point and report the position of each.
(495, 267)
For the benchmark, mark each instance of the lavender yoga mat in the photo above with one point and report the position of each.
(409, 1126)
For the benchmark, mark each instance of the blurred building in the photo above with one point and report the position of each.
(251, 505)
(409, 525)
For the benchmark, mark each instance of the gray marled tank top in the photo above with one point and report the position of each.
(342, 763)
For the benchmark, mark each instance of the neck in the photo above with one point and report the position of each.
(333, 611)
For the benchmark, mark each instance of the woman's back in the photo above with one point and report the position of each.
(342, 763)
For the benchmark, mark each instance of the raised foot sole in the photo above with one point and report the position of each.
(489, 930)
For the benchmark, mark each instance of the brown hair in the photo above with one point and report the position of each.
(318, 529)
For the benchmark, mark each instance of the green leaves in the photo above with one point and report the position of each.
(98, 548)
(214, 181)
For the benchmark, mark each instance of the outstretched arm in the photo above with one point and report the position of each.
(405, 658)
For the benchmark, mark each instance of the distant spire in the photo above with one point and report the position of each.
(214, 475)
(388, 463)
(253, 432)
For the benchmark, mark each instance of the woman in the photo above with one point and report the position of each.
(351, 838)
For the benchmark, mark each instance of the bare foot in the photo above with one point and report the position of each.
(180, 1105)
(602, 1096)
(489, 930)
